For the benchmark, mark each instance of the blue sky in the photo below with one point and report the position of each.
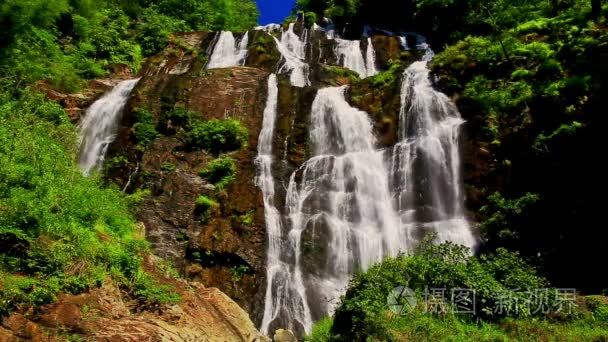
(274, 11)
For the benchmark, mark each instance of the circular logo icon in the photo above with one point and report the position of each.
(401, 300)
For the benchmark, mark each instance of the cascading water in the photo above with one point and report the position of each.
(227, 52)
(99, 125)
(370, 59)
(350, 56)
(342, 194)
(285, 296)
(426, 161)
(293, 52)
(352, 204)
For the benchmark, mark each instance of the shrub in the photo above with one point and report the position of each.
(503, 218)
(471, 50)
(542, 142)
(321, 331)
(59, 230)
(247, 219)
(178, 117)
(116, 162)
(217, 136)
(387, 78)
(220, 172)
(310, 18)
(362, 311)
(167, 167)
(153, 30)
(204, 205)
(498, 96)
(144, 129)
(238, 272)
(151, 294)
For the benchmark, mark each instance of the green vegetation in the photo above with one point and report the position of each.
(179, 117)
(445, 266)
(321, 331)
(503, 285)
(204, 204)
(247, 219)
(144, 128)
(418, 326)
(533, 83)
(66, 42)
(152, 295)
(167, 167)
(217, 136)
(504, 217)
(389, 77)
(59, 230)
(238, 272)
(336, 72)
(220, 172)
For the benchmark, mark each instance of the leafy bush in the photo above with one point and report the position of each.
(217, 136)
(238, 272)
(321, 331)
(503, 217)
(204, 205)
(153, 30)
(361, 313)
(310, 18)
(542, 141)
(65, 42)
(179, 116)
(59, 230)
(220, 172)
(167, 167)
(144, 128)
(418, 326)
(247, 219)
(467, 52)
(152, 294)
(387, 78)
(498, 96)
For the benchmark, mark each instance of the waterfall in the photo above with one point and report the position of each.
(352, 204)
(370, 59)
(339, 200)
(227, 53)
(350, 56)
(293, 52)
(426, 161)
(284, 291)
(99, 126)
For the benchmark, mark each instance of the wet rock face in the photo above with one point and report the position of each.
(170, 172)
(226, 248)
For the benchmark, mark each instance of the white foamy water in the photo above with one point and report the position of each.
(350, 56)
(227, 52)
(293, 61)
(98, 128)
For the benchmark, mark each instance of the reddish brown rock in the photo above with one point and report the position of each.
(106, 314)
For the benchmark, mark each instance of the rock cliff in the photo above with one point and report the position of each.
(227, 250)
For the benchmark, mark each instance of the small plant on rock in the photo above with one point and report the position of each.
(220, 172)
(204, 205)
(217, 136)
